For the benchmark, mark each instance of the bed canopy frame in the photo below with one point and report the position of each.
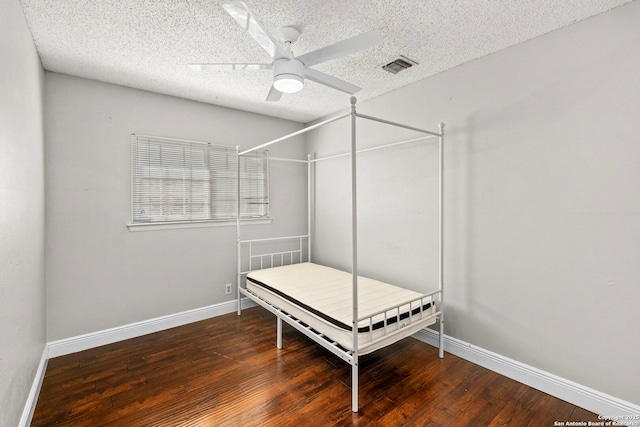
(350, 356)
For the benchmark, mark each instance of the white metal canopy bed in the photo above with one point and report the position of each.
(347, 314)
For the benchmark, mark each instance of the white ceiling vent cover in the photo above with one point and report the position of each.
(397, 65)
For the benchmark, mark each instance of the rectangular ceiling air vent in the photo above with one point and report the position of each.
(402, 63)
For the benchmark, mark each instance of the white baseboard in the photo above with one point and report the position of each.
(132, 330)
(32, 398)
(576, 394)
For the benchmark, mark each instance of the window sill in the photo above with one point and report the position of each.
(152, 226)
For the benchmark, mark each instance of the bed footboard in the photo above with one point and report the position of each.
(398, 322)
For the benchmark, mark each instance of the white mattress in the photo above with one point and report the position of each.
(321, 297)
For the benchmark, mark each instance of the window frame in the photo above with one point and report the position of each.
(221, 155)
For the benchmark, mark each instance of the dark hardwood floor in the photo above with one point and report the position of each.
(226, 371)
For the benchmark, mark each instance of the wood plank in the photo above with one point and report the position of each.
(226, 371)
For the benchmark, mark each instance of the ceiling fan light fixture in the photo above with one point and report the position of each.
(288, 83)
(287, 75)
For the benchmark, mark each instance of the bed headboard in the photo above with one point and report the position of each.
(257, 254)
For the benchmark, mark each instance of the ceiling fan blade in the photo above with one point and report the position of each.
(327, 80)
(247, 20)
(229, 66)
(345, 47)
(274, 94)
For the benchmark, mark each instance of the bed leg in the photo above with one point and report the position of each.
(354, 387)
(279, 333)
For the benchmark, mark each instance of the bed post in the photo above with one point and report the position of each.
(238, 244)
(354, 260)
(441, 237)
(308, 209)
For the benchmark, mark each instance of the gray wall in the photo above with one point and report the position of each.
(100, 274)
(542, 207)
(22, 266)
(542, 202)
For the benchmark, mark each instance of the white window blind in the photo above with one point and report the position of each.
(174, 180)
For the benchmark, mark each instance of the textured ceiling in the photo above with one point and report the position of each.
(147, 44)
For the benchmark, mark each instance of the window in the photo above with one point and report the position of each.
(187, 181)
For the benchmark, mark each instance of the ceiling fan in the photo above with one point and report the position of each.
(289, 72)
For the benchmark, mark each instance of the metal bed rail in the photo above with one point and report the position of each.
(327, 342)
(318, 337)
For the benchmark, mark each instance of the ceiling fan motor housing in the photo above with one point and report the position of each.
(288, 75)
